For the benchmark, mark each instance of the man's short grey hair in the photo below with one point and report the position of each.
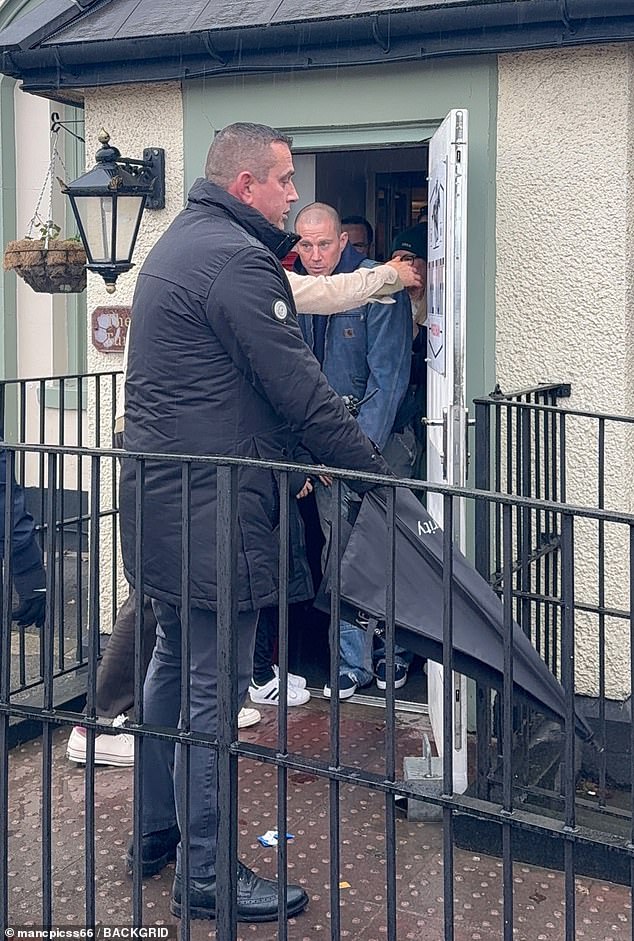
(240, 147)
(316, 212)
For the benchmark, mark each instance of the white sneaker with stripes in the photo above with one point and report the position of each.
(269, 693)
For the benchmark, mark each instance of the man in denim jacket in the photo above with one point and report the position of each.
(365, 351)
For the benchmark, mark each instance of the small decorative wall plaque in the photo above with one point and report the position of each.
(110, 328)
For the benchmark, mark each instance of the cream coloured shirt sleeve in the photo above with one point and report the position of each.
(338, 292)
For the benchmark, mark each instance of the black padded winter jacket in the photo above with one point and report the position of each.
(218, 366)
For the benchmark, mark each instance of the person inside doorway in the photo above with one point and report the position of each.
(361, 352)
(410, 245)
(360, 234)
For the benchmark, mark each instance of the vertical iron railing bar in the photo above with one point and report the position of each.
(61, 592)
(114, 502)
(282, 726)
(5, 681)
(42, 455)
(12, 460)
(448, 716)
(483, 562)
(513, 458)
(497, 486)
(79, 426)
(185, 706)
(390, 715)
(79, 574)
(94, 622)
(568, 683)
(538, 608)
(482, 510)
(524, 571)
(507, 730)
(97, 441)
(48, 647)
(500, 423)
(563, 459)
(114, 586)
(549, 616)
(22, 416)
(139, 561)
(601, 599)
(335, 731)
(527, 536)
(227, 846)
(555, 587)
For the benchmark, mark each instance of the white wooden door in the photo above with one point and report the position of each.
(446, 397)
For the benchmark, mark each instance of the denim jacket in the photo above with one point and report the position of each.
(368, 348)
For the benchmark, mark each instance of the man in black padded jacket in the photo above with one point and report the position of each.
(217, 365)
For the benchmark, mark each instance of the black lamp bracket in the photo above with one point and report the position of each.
(151, 168)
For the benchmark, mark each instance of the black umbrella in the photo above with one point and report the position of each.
(478, 618)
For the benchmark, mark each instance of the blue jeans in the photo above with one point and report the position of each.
(356, 653)
(163, 785)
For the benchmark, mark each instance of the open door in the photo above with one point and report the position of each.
(446, 397)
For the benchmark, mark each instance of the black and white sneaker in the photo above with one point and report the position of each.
(269, 693)
(348, 686)
(400, 675)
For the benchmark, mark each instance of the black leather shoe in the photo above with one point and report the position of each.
(257, 897)
(157, 849)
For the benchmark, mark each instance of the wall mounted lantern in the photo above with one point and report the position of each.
(108, 203)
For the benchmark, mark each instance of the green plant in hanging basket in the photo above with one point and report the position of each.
(49, 265)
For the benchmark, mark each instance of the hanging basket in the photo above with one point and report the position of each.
(56, 269)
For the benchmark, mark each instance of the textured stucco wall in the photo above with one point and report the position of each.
(135, 116)
(564, 288)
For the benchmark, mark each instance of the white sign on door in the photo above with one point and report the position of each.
(436, 265)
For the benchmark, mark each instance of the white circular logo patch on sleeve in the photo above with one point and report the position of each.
(280, 310)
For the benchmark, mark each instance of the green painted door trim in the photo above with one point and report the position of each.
(377, 106)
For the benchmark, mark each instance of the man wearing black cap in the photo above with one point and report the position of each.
(411, 245)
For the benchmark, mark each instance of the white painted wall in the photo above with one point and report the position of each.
(136, 117)
(564, 298)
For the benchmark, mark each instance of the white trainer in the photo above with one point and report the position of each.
(248, 717)
(115, 750)
(293, 678)
(269, 693)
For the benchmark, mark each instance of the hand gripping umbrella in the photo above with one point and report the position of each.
(478, 617)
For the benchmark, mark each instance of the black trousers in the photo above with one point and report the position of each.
(115, 673)
(265, 641)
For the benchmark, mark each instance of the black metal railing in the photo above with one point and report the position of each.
(75, 410)
(526, 802)
(559, 827)
(529, 445)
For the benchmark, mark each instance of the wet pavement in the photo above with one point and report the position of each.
(603, 910)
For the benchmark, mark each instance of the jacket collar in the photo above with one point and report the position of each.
(205, 194)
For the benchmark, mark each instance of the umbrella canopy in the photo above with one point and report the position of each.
(478, 615)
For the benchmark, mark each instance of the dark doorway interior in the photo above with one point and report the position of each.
(387, 185)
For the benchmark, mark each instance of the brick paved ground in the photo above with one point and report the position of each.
(603, 909)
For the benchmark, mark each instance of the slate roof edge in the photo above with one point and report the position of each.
(39, 24)
(335, 42)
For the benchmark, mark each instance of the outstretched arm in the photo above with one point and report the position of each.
(338, 292)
